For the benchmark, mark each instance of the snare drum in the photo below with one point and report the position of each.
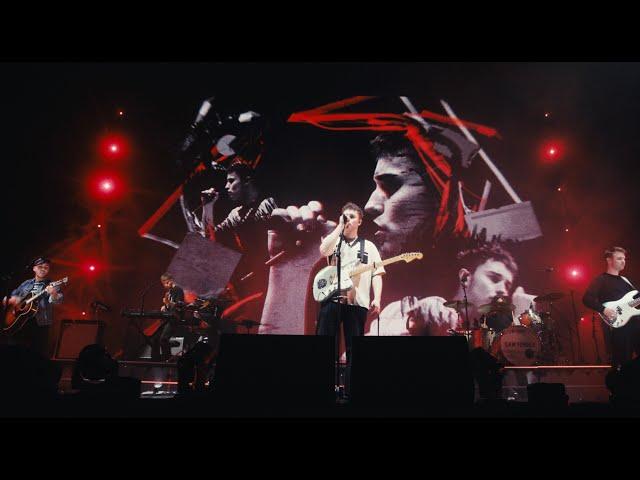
(517, 345)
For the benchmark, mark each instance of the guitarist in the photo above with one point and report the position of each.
(353, 305)
(171, 303)
(611, 286)
(35, 334)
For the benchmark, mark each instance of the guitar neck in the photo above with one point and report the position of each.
(43, 291)
(374, 265)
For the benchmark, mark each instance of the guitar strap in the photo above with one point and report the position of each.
(627, 280)
(362, 255)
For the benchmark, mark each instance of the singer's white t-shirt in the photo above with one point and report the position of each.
(361, 293)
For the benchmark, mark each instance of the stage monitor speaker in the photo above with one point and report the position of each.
(275, 370)
(412, 372)
(77, 334)
(547, 395)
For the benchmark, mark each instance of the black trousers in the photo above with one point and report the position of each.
(34, 337)
(623, 342)
(160, 349)
(353, 319)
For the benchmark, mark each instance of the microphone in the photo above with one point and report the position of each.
(211, 192)
(344, 217)
(200, 135)
(204, 109)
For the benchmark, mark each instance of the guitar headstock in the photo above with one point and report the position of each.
(410, 257)
(61, 281)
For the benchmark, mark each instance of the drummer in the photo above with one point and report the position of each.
(487, 273)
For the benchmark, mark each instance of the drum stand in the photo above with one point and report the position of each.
(577, 323)
(595, 339)
(549, 338)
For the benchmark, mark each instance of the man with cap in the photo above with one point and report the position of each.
(35, 333)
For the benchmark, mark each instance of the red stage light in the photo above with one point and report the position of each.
(107, 185)
(99, 225)
(575, 273)
(552, 151)
(91, 267)
(84, 313)
(113, 147)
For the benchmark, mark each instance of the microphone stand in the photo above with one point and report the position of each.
(136, 325)
(595, 339)
(339, 320)
(575, 318)
(466, 309)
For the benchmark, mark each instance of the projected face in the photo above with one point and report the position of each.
(490, 279)
(402, 206)
(234, 187)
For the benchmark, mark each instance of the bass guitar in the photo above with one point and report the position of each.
(625, 308)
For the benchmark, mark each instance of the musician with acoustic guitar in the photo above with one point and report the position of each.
(612, 296)
(29, 310)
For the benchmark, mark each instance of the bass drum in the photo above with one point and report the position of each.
(517, 345)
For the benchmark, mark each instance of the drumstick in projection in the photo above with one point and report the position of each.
(482, 153)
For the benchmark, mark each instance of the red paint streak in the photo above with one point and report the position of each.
(339, 104)
(380, 121)
(164, 208)
(233, 308)
(168, 203)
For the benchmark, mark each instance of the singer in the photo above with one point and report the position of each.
(244, 229)
(350, 306)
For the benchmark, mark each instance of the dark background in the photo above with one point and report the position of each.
(55, 113)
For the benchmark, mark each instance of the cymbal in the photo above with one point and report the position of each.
(458, 304)
(496, 308)
(549, 297)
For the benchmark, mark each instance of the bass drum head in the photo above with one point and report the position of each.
(518, 345)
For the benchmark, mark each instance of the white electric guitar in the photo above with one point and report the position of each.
(325, 284)
(625, 308)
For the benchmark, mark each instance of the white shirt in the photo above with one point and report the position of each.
(362, 283)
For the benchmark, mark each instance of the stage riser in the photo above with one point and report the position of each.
(581, 384)
(149, 373)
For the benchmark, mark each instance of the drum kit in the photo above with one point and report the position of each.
(528, 340)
